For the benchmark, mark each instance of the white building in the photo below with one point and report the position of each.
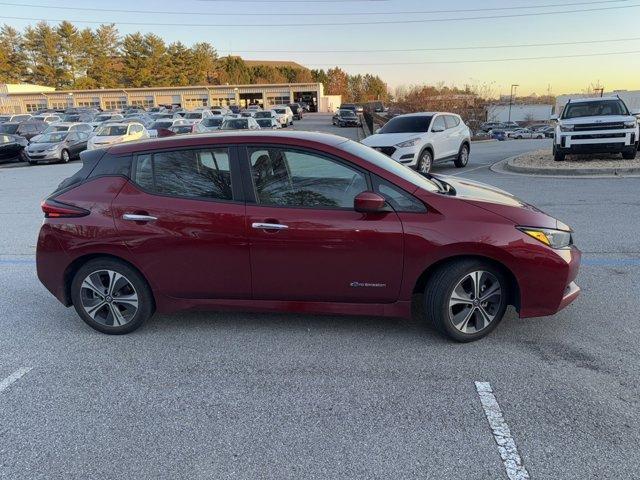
(519, 113)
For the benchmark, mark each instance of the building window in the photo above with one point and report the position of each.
(115, 104)
(142, 102)
(194, 102)
(32, 107)
(58, 105)
(95, 103)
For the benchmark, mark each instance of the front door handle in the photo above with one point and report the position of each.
(133, 217)
(268, 226)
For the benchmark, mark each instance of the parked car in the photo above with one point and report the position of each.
(419, 140)
(487, 126)
(285, 115)
(84, 117)
(266, 114)
(596, 125)
(248, 113)
(510, 126)
(138, 228)
(64, 127)
(254, 107)
(57, 147)
(247, 123)
(348, 106)
(111, 133)
(297, 111)
(220, 111)
(523, 133)
(10, 128)
(12, 147)
(548, 132)
(197, 116)
(234, 108)
(105, 117)
(499, 134)
(14, 118)
(160, 128)
(210, 124)
(268, 123)
(346, 118)
(31, 128)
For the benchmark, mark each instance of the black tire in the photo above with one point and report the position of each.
(439, 291)
(463, 156)
(630, 154)
(558, 156)
(425, 161)
(65, 156)
(136, 283)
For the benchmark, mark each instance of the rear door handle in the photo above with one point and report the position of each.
(268, 226)
(133, 217)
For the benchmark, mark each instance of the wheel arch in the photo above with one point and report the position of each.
(77, 263)
(514, 291)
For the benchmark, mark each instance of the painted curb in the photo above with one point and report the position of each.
(569, 172)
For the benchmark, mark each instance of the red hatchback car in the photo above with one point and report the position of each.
(297, 222)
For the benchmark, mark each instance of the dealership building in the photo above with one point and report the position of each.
(28, 98)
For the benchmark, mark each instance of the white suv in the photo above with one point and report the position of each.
(419, 140)
(596, 125)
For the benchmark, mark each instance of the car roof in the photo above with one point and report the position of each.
(68, 124)
(230, 136)
(593, 99)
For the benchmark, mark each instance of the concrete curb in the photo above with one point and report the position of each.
(13, 165)
(565, 172)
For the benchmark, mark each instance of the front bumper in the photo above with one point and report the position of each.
(407, 156)
(596, 141)
(46, 156)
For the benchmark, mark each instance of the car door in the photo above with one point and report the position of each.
(439, 136)
(9, 147)
(183, 219)
(307, 242)
(454, 134)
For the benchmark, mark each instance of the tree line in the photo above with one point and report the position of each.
(65, 57)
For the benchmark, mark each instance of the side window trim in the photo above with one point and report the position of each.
(377, 181)
(237, 191)
(247, 177)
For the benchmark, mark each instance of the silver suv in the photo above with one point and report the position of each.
(596, 125)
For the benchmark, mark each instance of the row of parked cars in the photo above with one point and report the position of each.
(50, 136)
(512, 130)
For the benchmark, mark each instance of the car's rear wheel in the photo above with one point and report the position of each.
(64, 156)
(425, 162)
(466, 299)
(463, 156)
(111, 297)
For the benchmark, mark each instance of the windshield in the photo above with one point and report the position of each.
(347, 113)
(412, 124)
(56, 128)
(181, 129)
(264, 122)
(111, 131)
(71, 118)
(235, 124)
(263, 115)
(11, 128)
(381, 160)
(212, 122)
(52, 137)
(595, 109)
(103, 118)
(193, 115)
(280, 110)
(157, 125)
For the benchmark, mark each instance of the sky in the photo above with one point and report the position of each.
(276, 30)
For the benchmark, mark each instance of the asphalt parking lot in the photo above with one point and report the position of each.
(276, 396)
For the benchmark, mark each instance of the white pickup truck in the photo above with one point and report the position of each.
(596, 125)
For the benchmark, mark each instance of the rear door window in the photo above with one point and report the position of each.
(201, 174)
(451, 121)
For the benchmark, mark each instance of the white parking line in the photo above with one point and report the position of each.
(17, 375)
(501, 433)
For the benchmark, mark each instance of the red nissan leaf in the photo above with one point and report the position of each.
(296, 222)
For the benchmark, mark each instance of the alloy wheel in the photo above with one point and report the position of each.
(109, 298)
(424, 165)
(464, 155)
(475, 301)
(65, 156)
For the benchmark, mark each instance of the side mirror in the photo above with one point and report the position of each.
(636, 114)
(370, 202)
(437, 129)
(377, 130)
(554, 118)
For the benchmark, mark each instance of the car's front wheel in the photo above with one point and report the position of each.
(558, 156)
(111, 296)
(64, 156)
(425, 162)
(463, 156)
(466, 299)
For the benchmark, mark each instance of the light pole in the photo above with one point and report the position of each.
(513, 87)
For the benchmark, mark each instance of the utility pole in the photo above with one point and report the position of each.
(513, 87)
(601, 90)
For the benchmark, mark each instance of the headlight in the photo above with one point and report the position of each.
(567, 128)
(408, 143)
(630, 124)
(549, 236)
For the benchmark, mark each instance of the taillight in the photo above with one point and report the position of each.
(53, 209)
